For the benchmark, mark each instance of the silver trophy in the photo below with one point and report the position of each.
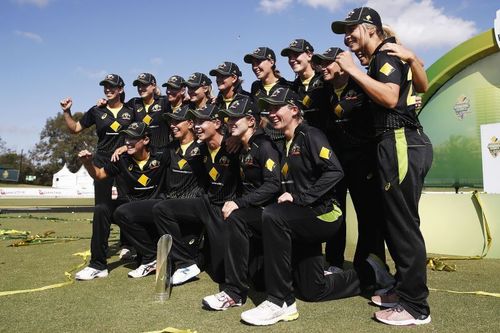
(163, 269)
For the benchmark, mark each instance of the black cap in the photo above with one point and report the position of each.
(209, 112)
(137, 129)
(357, 16)
(281, 96)
(329, 55)
(197, 80)
(226, 68)
(144, 78)
(260, 53)
(175, 81)
(113, 79)
(299, 46)
(178, 114)
(241, 107)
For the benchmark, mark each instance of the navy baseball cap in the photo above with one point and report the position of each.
(328, 55)
(144, 78)
(260, 53)
(137, 129)
(281, 96)
(297, 45)
(197, 79)
(175, 81)
(241, 107)
(226, 68)
(357, 16)
(181, 113)
(113, 79)
(209, 112)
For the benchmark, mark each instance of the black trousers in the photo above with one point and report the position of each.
(101, 226)
(170, 216)
(361, 178)
(292, 238)
(243, 255)
(136, 223)
(404, 157)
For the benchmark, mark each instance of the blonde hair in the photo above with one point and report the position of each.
(389, 32)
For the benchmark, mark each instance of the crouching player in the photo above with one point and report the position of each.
(142, 170)
(260, 172)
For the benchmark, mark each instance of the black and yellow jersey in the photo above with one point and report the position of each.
(390, 69)
(222, 170)
(108, 127)
(153, 117)
(310, 96)
(310, 169)
(259, 91)
(259, 172)
(222, 103)
(142, 180)
(347, 117)
(186, 176)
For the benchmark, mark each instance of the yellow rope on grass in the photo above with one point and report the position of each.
(85, 255)
(437, 264)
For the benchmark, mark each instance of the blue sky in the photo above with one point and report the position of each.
(57, 48)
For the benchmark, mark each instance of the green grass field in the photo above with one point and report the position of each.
(120, 304)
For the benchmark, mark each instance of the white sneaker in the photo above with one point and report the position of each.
(126, 253)
(268, 313)
(143, 270)
(89, 273)
(332, 270)
(220, 302)
(185, 274)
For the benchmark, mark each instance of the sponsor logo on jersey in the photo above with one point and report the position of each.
(126, 116)
(325, 153)
(387, 69)
(284, 169)
(214, 174)
(270, 165)
(144, 180)
(224, 161)
(154, 164)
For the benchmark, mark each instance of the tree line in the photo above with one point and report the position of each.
(56, 147)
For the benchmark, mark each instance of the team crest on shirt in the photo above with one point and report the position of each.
(462, 107)
(154, 164)
(156, 108)
(195, 152)
(126, 116)
(224, 161)
(494, 147)
(104, 116)
(247, 160)
(295, 150)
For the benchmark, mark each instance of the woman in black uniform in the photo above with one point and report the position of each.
(305, 215)
(260, 172)
(263, 61)
(176, 92)
(403, 155)
(109, 120)
(184, 179)
(199, 90)
(228, 79)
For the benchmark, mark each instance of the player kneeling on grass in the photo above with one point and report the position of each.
(141, 170)
(260, 172)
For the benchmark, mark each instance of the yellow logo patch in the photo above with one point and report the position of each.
(307, 101)
(214, 174)
(147, 119)
(270, 164)
(144, 180)
(387, 69)
(181, 163)
(325, 153)
(284, 170)
(115, 126)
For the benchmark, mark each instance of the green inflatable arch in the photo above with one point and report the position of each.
(457, 59)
